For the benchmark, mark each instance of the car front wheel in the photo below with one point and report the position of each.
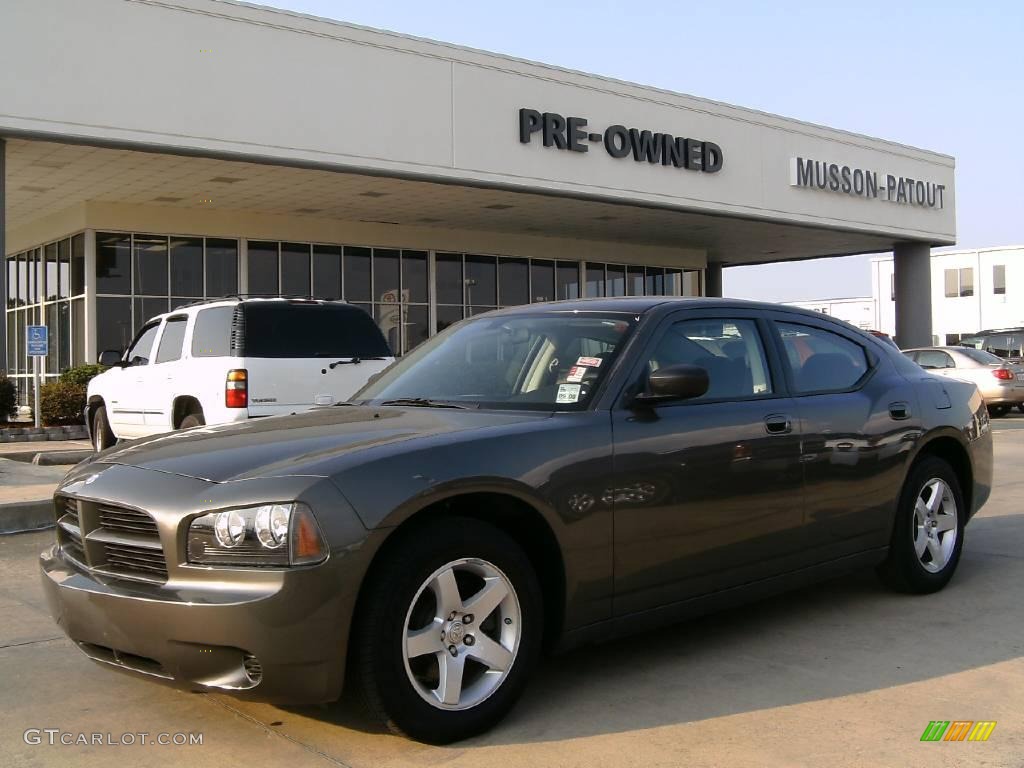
(928, 534)
(448, 631)
(102, 436)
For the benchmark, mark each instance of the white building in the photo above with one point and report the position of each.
(856, 311)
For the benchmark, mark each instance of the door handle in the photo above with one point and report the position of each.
(778, 424)
(899, 411)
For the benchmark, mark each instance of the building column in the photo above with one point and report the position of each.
(912, 265)
(713, 279)
(4, 287)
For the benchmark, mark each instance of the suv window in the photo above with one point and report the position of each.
(211, 333)
(141, 349)
(729, 350)
(821, 361)
(291, 329)
(934, 358)
(172, 340)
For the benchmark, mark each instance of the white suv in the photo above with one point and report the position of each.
(234, 359)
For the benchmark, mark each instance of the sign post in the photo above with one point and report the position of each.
(37, 346)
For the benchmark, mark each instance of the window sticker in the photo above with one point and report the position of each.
(568, 393)
(589, 362)
(576, 374)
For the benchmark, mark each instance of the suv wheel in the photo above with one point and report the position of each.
(102, 436)
(928, 535)
(449, 630)
(192, 420)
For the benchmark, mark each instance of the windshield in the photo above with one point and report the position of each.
(981, 356)
(549, 361)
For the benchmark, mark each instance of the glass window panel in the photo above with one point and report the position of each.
(177, 302)
(12, 344)
(327, 272)
(389, 320)
(385, 277)
(416, 326)
(40, 275)
(635, 281)
(567, 276)
(542, 280)
(655, 284)
(414, 276)
(172, 340)
(52, 287)
(447, 315)
(691, 283)
(952, 279)
(63, 335)
(150, 265)
(473, 311)
(967, 281)
(50, 321)
(673, 282)
(999, 278)
(148, 308)
(78, 332)
(64, 268)
(221, 267)
(113, 263)
(595, 280)
(12, 283)
(187, 266)
(113, 323)
(357, 274)
(513, 282)
(211, 336)
(263, 275)
(78, 265)
(616, 280)
(295, 269)
(820, 360)
(482, 280)
(448, 267)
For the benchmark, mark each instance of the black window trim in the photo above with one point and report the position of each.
(873, 360)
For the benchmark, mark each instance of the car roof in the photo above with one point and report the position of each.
(645, 304)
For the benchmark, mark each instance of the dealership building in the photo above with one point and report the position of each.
(207, 148)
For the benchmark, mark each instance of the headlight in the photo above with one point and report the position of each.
(267, 535)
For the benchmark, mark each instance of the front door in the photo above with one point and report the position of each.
(127, 395)
(707, 492)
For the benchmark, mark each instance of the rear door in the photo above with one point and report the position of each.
(304, 353)
(160, 377)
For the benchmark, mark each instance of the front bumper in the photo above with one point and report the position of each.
(268, 634)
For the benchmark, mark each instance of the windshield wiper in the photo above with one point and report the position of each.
(351, 361)
(423, 402)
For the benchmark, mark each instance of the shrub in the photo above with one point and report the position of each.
(8, 398)
(61, 402)
(81, 374)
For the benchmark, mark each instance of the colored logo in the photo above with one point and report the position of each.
(958, 730)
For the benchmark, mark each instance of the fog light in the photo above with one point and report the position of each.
(229, 528)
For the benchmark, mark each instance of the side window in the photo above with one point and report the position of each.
(729, 350)
(172, 340)
(934, 358)
(142, 348)
(211, 334)
(821, 361)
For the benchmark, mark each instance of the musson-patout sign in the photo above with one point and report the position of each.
(860, 182)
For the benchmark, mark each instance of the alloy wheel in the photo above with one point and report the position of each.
(935, 528)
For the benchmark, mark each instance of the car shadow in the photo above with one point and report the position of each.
(841, 637)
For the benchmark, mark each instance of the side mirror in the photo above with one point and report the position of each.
(110, 359)
(674, 382)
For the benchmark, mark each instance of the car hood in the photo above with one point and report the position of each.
(315, 443)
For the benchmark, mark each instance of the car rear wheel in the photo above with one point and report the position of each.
(998, 411)
(192, 420)
(928, 534)
(448, 631)
(1020, 407)
(102, 435)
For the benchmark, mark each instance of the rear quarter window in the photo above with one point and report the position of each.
(296, 330)
(211, 334)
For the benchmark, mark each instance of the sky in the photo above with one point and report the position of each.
(940, 75)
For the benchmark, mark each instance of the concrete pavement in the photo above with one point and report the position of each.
(841, 674)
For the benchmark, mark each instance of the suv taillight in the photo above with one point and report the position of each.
(236, 389)
(1003, 374)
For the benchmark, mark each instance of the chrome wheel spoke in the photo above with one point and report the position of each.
(946, 523)
(420, 642)
(483, 603)
(447, 593)
(449, 688)
(490, 653)
(935, 550)
(920, 511)
(938, 489)
(921, 542)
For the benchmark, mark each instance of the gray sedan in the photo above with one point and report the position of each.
(1000, 382)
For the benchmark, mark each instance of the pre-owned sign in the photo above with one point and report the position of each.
(572, 134)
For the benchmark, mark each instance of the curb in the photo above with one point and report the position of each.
(48, 458)
(24, 516)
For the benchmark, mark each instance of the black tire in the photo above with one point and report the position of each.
(998, 411)
(903, 570)
(192, 420)
(1020, 407)
(379, 666)
(102, 435)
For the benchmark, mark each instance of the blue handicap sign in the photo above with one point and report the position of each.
(38, 341)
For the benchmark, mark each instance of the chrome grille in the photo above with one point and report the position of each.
(109, 539)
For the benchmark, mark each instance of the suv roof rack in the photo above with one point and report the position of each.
(245, 296)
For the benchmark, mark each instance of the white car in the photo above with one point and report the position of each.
(230, 360)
